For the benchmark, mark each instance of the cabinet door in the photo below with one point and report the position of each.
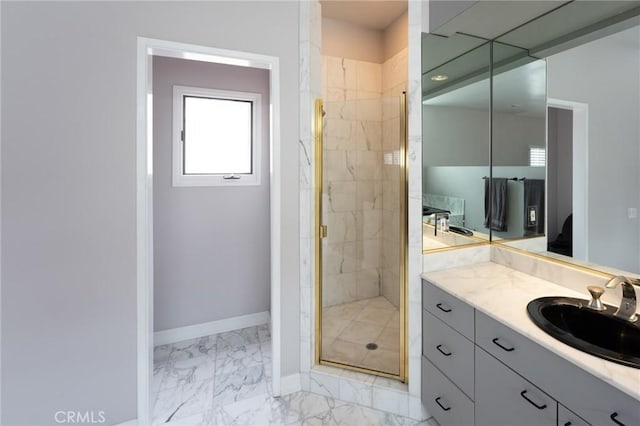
(504, 398)
(568, 418)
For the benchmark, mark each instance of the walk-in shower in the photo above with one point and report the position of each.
(361, 231)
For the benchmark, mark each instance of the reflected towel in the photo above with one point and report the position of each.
(533, 207)
(495, 201)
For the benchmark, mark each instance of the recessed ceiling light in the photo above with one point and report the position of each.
(439, 77)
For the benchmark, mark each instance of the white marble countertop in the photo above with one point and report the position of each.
(503, 294)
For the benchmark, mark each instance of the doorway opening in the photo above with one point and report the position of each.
(148, 51)
(568, 178)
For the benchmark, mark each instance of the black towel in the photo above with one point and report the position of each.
(495, 201)
(533, 207)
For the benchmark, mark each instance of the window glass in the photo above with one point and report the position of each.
(217, 136)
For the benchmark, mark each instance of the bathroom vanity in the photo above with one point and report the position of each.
(485, 363)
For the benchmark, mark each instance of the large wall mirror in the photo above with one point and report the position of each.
(456, 114)
(566, 136)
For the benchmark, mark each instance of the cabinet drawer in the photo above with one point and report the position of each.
(443, 399)
(581, 392)
(449, 309)
(568, 418)
(507, 345)
(504, 398)
(448, 350)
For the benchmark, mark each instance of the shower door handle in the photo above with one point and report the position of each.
(323, 231)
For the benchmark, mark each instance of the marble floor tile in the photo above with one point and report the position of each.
(332, 327)
(381, 302)
(229, 361)
(258, 410)
(345, 352)
(183, 401)
(160, 371)
(241, 384)
(345, 311)
(161, 353)
(347, 328)
(302, 405)
(351, 414)
(233, 340)
(389, 339)
(383, 360)
(264, 333)
(376, 316)
(187, 371)
(361, 332)
(193, 348)
(201, 419)
(225, 380)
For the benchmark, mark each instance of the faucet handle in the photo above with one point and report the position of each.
(596, 292)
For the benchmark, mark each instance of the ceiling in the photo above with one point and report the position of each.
(521, 90)
(369, 14)
(480, 19)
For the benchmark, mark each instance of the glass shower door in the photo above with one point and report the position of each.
(361, 211)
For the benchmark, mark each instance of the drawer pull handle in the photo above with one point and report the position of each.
(439, 306)
(613, 417)
(567, 424)
(539, 407)
(442, 406)
(495, 341)
(439, 348)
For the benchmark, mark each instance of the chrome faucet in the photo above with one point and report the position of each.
(627, 309)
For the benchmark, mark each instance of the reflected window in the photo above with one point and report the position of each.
(537, 156)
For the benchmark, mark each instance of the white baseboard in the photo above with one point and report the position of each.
(208, 328)
(290, 384)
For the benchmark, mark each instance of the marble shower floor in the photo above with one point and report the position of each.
(349, 327)
(225, 379)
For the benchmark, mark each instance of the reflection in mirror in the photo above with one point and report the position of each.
(456, 139)
(518, 145)
(593, 151)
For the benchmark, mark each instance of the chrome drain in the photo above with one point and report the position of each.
(372, 346)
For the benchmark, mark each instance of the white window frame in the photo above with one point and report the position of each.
(181, 179)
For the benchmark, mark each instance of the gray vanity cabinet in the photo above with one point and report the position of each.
(447, 357)
(568, 418)
(511, 380)
(504, 398)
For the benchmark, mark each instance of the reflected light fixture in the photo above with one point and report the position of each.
(439, 77)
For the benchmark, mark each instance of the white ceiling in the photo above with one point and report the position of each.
(370, 14)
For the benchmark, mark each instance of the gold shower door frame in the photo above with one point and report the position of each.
(321, 232)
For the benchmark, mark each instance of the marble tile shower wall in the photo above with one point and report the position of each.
(394, 82)
(352, 200)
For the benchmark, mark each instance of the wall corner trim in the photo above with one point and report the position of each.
(173, 335)
(290, 384)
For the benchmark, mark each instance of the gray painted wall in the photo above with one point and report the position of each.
(613, 151)
(69, 190)
(204, 237)
(455, 136)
